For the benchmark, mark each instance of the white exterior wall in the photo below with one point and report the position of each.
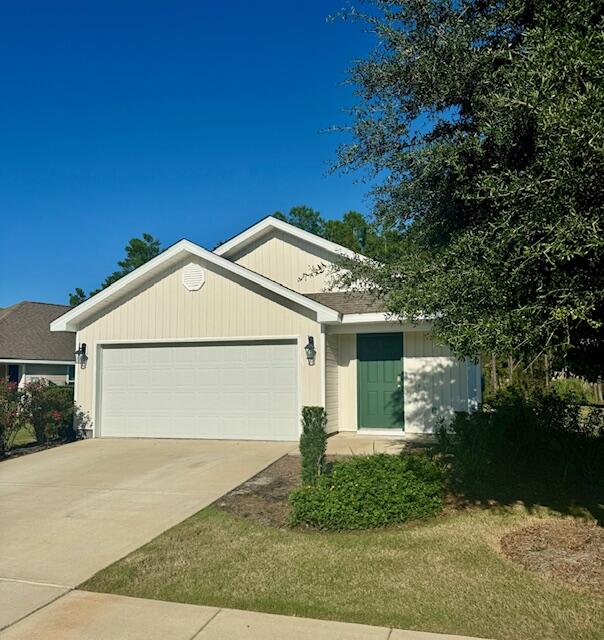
(223, 308)
(286, 259)
(347, 382)
(435, 383)
(332, 399)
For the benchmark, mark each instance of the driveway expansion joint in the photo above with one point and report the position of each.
(204, 625)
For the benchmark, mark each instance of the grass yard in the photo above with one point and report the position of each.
(24, 436)
(443, 575)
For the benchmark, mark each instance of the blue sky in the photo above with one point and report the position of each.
(182, 119)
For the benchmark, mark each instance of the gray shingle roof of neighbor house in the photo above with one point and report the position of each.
(25, 333)
(349, 301)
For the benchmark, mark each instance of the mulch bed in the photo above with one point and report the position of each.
(26, 449)
(570, 550)
(263, 498)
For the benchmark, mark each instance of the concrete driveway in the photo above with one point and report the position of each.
(68, 512)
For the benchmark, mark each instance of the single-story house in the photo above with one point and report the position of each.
(232, 343)
(29, 350)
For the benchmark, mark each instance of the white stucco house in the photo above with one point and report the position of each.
(215, 344)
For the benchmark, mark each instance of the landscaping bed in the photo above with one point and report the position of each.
(264, 498)
(569, 550)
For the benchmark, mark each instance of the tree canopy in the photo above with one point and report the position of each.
(482, 123)
(353, 231)
(138, 251)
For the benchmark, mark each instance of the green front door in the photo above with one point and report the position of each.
(380, 374)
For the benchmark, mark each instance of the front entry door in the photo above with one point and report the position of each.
(380, 380)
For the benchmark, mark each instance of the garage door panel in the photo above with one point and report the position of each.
(244, 391)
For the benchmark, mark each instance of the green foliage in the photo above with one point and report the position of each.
(370, 491)
(48, 409)
(546, 436)
(10, 422)
(313, 443)
(60, 399)
(138, 252)
(573, 390)
(353, 231)
(45, 409)
(304, 218)
(487, 121)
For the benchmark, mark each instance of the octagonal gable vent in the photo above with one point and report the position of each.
(193, 277)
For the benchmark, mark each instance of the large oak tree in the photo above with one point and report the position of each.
(483, 124)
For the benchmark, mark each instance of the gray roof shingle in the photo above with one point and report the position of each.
(25, 333)
(349, 301)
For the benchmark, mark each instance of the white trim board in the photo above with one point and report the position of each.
(69, 320)
(264, 226)
(20, 361)
(100, 345)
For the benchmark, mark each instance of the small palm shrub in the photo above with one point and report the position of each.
(370, 491)
(313, 443)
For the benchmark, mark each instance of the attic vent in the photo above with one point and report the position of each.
(193, 277)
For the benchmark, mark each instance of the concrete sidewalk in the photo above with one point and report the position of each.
(80, 615)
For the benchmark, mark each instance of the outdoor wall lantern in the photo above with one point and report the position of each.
(311, 352)
(80, 355)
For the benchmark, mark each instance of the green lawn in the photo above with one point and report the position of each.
(24, 436)
(443, 575)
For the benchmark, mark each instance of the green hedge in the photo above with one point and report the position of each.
(544, 436)
(370, 491)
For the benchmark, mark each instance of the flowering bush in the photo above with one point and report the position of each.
(46, 409)
(9, 413)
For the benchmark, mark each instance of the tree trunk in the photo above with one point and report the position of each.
(493, 372)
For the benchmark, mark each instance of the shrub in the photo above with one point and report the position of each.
(544, 434)
(60, 399)
(573, 390)
(48, 409)
(313, 443)
(370, 491)
(9, 413)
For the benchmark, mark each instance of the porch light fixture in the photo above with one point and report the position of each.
(80, 354)
(311, 352)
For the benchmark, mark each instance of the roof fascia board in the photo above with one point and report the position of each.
(355, 318)
(67, 322)
(266, 224)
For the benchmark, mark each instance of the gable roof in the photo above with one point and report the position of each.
(25, 333)
(268, 224)
(72, 319)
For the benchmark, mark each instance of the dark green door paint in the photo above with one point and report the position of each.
(380, 374)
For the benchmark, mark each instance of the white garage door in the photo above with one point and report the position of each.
(212, 390)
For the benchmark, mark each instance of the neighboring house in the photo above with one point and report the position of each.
(201, 344)
(29, 350)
